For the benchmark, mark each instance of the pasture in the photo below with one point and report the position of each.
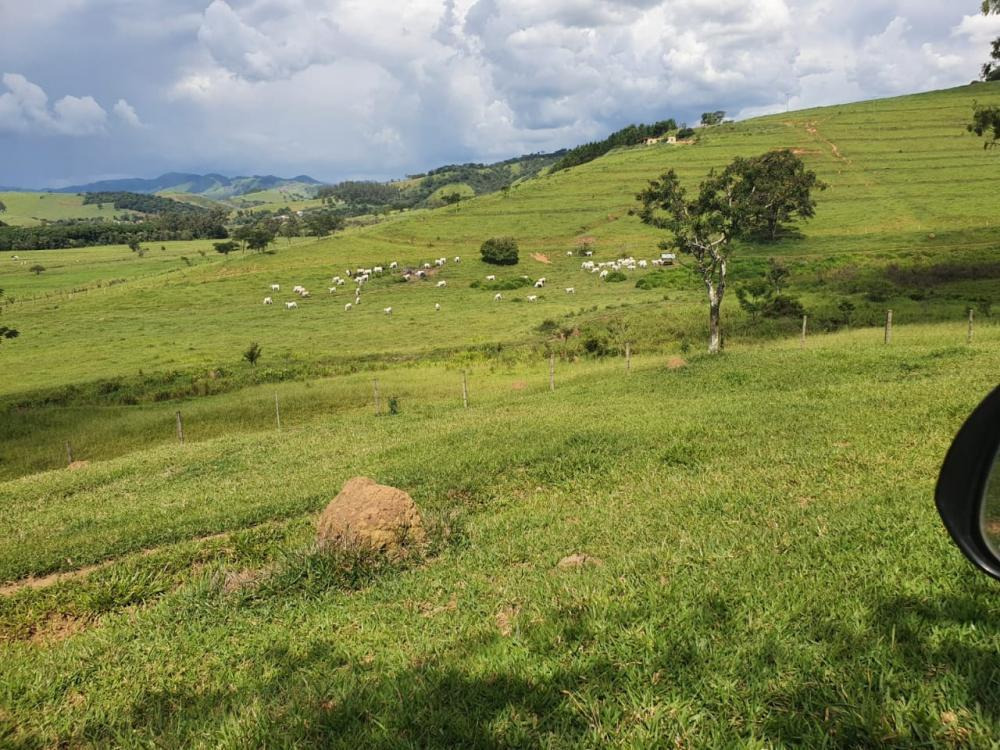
(769, 567)
(29, 209)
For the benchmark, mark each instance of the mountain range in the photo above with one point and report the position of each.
(209, 185)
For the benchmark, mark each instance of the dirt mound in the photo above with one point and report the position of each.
(366, 514)
(579, 560)
(78, 465)
(541, 258)
(676, 363)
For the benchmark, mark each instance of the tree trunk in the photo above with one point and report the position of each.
(714, 328)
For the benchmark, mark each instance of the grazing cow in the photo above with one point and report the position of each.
(275, 287)
(437, 305)
(340, 282)
(539, 284)
(458, 259)
(348, 272)
(291, 305)
(333, 289)
(569, 252)
(304, 294)
(407, 277)
(643, 264)
(604, 274)
(442, 283)
(387, 310)
(347, 307)
(589, 253)
(377, 269)
(491, 277)
(427, 265)
(422, 274)
(297, 289)
(439, 262)
(268, 301)
(393, 265)
(497, 297)
(532, 298)
(570, 290)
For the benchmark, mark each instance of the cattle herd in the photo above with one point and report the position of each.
(361, 276)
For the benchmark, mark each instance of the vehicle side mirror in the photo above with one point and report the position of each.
(968, 488)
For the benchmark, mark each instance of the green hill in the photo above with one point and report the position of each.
(769, 567)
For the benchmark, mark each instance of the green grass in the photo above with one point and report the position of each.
(29, 209)
(774, 573)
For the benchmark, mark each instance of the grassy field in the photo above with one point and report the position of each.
(771, 570)
(26, 209)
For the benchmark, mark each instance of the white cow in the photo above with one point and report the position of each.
(604, 274)
(394, 264)
(539, 284)
(439, 262)
(347, 307)
(497, 297)
(291, 305)
(458, 259)
(643, 264)
(297, 289)
(491, 277)
(569, 252)
(570, 290)
(387, 310)
(442, 283)
(437, 305)
(377, 269)
(427, 265)
(532, 298)
(268, 301)
(275, 287)
(304, 293)
(333, 289)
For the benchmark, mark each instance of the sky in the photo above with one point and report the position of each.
(347, 89)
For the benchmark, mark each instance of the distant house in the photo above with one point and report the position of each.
(651, 141)
(672, 139)
(668, 259)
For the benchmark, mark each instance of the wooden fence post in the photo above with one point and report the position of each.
(69, 453)
(378, 400)
(277, 411)
(888, 327)
(628, 357)
(465, 389)
(972, 313)
(805, 320)
(180, 428)
(552, 372)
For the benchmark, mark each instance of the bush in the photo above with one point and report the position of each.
(653, 280)
(782, 306)
(500, 251)
(502, 285)
(616, 276)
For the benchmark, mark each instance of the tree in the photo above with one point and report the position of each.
(37, 268)
(986, 123)
(252, 354)
(713, 118)
(8, 333)
(776, 187)
(290, 227)
(726, 208)
(753, 297)
(776, 274)
(3, 207)
(225, 247)
(500, 251)
(259, 239)
(322, 223)
(991, 69)
(134, 246)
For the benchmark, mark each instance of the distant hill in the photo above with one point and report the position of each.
(215, 186)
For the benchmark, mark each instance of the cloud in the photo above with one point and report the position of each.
(126, 113)
(24, 109)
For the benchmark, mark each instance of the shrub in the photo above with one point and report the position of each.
(783, 306)
(653, 280)
(500, 251)
(252, 354)
(616, 277)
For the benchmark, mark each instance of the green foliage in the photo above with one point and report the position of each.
(225, 247)
(628, 136)
(37, 268)
(616, 277)
(500, 251)
(86, 233)
(252, 354)
(753, 297)
(713, 118)
(3, 207)
(8, 333)
(393, 405)
(146, 203)
(782, 306)
(322, 223)
(502, 285)
(986, 123)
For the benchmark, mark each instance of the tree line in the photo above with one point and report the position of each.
(632, 135)
(87, 233)
(145, 203)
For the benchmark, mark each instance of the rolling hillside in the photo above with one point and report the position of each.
(763, 562)
(215, 186)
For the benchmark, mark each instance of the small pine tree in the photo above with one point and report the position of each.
(252, 354)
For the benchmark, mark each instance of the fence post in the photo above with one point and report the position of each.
(69, 453)
(888, 327)
(277, 411)
(805, 320)
(552, 371)
(465, 389)
(972, 313)
(180, 428)
(628, 357)
(378, 400)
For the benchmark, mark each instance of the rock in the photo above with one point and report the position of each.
(579, 560)
(366, 514)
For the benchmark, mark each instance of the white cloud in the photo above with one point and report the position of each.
(24, 109)
(126, 113)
